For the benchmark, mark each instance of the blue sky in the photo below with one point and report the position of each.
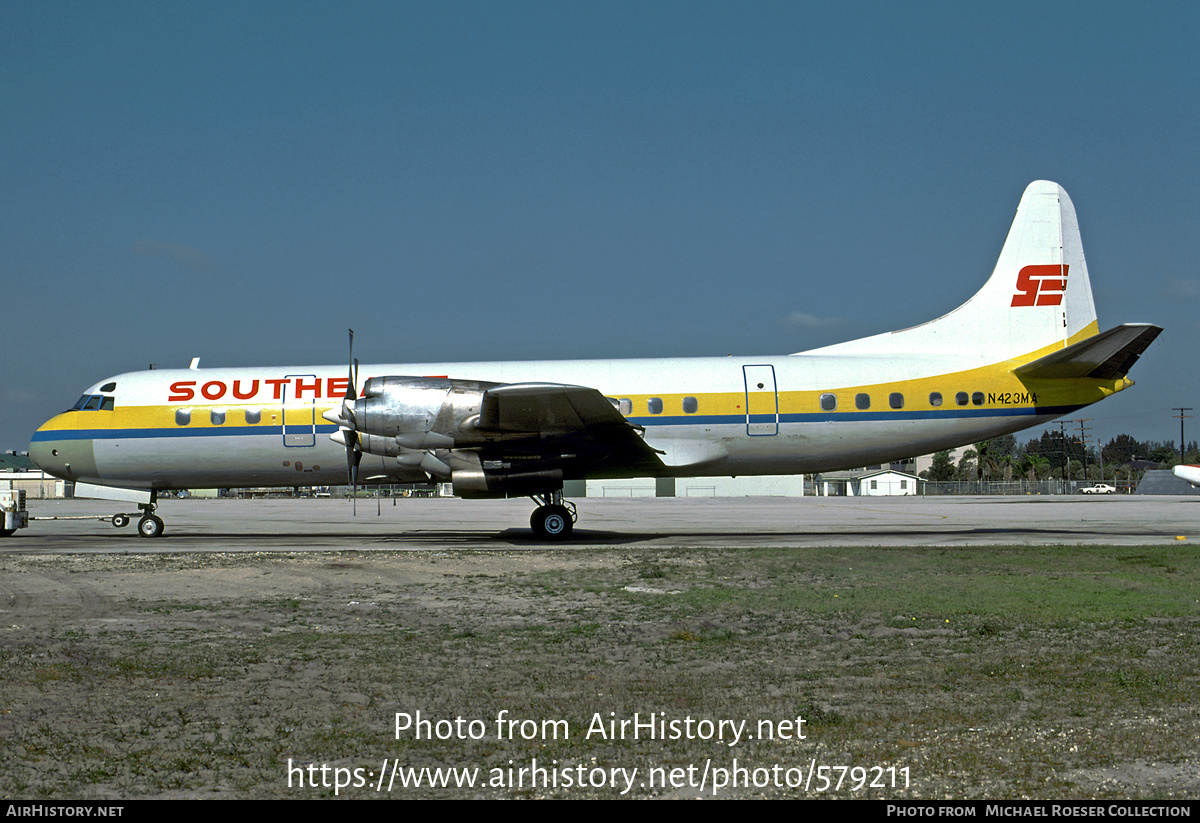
(483, 180)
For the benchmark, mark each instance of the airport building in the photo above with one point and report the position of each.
(888, 479)
(18, 473)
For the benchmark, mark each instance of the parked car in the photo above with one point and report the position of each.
(1099, 488)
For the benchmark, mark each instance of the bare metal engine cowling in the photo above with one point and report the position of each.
(395, 414)
(430, 423)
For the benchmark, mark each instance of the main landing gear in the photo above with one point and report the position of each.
(150, 525)
(554, 518)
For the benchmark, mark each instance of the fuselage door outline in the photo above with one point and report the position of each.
(299, 421)
(762, 401)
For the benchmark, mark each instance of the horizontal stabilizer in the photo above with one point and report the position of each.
(1105, 356)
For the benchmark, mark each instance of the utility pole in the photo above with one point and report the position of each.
(1062, 443)
(1182, 416)
(1083, 441)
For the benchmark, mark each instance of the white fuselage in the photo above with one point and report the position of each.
(706, 416)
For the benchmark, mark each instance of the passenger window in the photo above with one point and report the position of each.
(626, 406)
(828, 402)
(862, 401)
(977, 398)
(655, 405)
(690, 405)
(935, 399)
(183, 417)
(961, 398)
(896, 400)
(217, 416)
(253, 415)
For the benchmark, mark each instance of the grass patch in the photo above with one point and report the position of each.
(981, 670)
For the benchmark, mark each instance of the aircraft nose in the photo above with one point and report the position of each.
(62, 453)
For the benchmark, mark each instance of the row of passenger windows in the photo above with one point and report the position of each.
(654, 405)
(829, 402)
(183, 417)
(862, 401)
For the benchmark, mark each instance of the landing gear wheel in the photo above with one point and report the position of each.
(120, 521)
(150, 526)
(551, 522)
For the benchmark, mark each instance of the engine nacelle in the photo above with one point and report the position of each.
(482, 483)
(415, 412)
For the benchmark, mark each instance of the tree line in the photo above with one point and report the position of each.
(1060, 456)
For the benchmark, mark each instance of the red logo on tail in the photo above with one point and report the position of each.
(1041, 285)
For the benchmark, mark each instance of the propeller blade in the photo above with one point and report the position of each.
(353, 456)
(345, 416)
(350, 426)
(352, 375)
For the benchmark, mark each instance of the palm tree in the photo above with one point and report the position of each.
(1038, 466)
(1008, 463)
(988, 465)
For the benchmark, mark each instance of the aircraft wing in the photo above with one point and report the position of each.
(1104, 356)
(550, 417)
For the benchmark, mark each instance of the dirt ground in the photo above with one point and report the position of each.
(727, 673)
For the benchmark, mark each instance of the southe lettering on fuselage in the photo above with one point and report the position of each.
(1024, 350)
(254, 389)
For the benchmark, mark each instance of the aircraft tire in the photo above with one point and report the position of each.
(120, 521)
(150, 526)
(551, 523)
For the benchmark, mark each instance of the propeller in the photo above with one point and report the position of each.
(350, 427)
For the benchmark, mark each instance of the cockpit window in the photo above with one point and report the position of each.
(108, 387)
(93, 402)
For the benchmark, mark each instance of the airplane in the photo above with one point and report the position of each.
(1024, 350)
(1189, 473)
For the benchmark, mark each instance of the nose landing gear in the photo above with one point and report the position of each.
(150, 525)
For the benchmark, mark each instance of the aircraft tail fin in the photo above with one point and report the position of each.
(1039, 294)
(1038, 299)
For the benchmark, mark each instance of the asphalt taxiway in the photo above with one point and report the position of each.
(449, 524)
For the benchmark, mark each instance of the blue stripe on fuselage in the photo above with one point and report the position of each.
(214, 431)
(658, 420)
